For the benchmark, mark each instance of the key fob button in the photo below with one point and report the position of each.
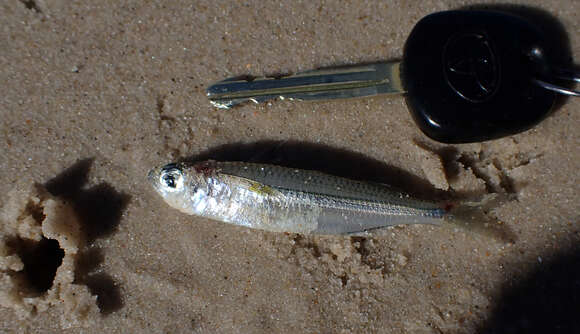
(469, 75)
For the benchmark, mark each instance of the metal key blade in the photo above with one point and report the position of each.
(323, 84)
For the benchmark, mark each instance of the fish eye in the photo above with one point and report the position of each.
(171, 177)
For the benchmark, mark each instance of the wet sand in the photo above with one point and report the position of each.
(94, 94)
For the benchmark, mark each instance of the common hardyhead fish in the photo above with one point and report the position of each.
(283, 199)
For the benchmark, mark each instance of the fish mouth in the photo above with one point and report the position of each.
(152, 175)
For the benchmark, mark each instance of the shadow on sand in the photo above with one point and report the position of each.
(99, 210)
(547, 300)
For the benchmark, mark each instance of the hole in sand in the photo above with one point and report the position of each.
(41, 259)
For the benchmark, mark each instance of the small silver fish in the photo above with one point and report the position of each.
(283, 199)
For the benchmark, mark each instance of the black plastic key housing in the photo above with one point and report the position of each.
(469, 75)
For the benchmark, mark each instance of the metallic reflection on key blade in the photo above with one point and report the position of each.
(323, 84)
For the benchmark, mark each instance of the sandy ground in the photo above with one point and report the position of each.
(95, 93)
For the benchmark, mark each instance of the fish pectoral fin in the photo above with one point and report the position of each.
(261, 189)
(257, 187)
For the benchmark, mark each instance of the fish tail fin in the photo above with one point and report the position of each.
(475, 215)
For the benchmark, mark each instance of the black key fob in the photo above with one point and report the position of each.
(469, 75)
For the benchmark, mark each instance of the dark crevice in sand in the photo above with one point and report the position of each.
(36, 211)
(469, 162)
(344, 279)
(41, 259)
(478, 163)
(361, 246)
(453, 160)
(373, 258)
(32, 5)
(505, 182)
(161, 105)
(99, 211)
(301, 241)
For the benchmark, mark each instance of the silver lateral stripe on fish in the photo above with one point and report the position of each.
(283, 199)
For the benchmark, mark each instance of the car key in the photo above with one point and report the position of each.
(468, 76)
